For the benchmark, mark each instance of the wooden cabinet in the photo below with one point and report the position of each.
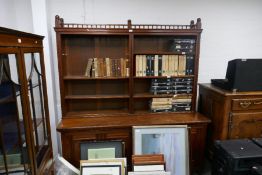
(234, 115)
(106, 79)
(25, 141)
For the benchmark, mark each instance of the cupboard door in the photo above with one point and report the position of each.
(245, 125)
(197, 135)
(13, 138)
(37, 104)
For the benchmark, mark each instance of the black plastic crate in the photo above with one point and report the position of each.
(258, 141)
(235, 157)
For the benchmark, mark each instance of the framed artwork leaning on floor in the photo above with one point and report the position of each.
(170, 140)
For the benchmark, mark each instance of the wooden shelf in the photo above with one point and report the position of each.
(132, 120)
(89, 97)
(97, 113)
(159, 53)
(75, 77)
(150, 95)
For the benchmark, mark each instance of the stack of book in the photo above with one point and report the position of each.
(164, 65)
(161, 86)
(171, 86)
(161, 104)
(148, 164)
(107, 67)
(181, 103)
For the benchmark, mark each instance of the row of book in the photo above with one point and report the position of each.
(185, 46)
(173, 104)
(164, 65)
(171, 85)
(107, 67)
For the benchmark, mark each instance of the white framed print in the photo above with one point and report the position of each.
(170, 140)
(149, 173)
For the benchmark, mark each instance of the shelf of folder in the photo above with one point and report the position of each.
(174, 76)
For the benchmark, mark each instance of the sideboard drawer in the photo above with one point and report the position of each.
(247, 104)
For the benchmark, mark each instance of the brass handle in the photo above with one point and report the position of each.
(245, 104)
(258, 103)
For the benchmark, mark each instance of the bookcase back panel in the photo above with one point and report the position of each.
(78, 49)
(142, 85)
(97, 87)
(141, 105)
(98, 105)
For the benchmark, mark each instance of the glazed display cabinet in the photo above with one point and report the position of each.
(25, 141)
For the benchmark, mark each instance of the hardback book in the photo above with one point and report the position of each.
(137, 65)
(148, 65)
(189, 64)
(160, 70)
(182, 65)
(108, 67)
(89, 67)
(152, 65)
(166, 100)
(176, 65)
(156, 65)
(94, 68)
(170, 65)
(144, 63)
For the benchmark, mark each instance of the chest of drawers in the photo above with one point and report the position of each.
(233, 115)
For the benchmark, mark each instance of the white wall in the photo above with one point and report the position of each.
(30, 16)
(232, 28)
(16, 14)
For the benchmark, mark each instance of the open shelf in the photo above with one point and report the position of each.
(88, 97)
(177, 76)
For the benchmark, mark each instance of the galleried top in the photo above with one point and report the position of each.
(59, 24)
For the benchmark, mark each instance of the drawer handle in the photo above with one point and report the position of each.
(258, 103)
(245, 104)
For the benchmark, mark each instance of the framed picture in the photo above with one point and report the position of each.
(62, 166)
(170, 140)
(101, 170)
(150, 173)
(105, 166)
(101, 150)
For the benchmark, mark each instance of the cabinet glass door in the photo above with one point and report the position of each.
(13, 146)
(37, 104)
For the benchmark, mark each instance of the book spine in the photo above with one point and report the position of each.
(95, 68)
(175, 65)
(107, 60)
(89, 67)
(160, 65)
(156, 65)
(189, 65)
(137, 65)
(152, 60)
(148, 65)
(127, 67)
(144, 65)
